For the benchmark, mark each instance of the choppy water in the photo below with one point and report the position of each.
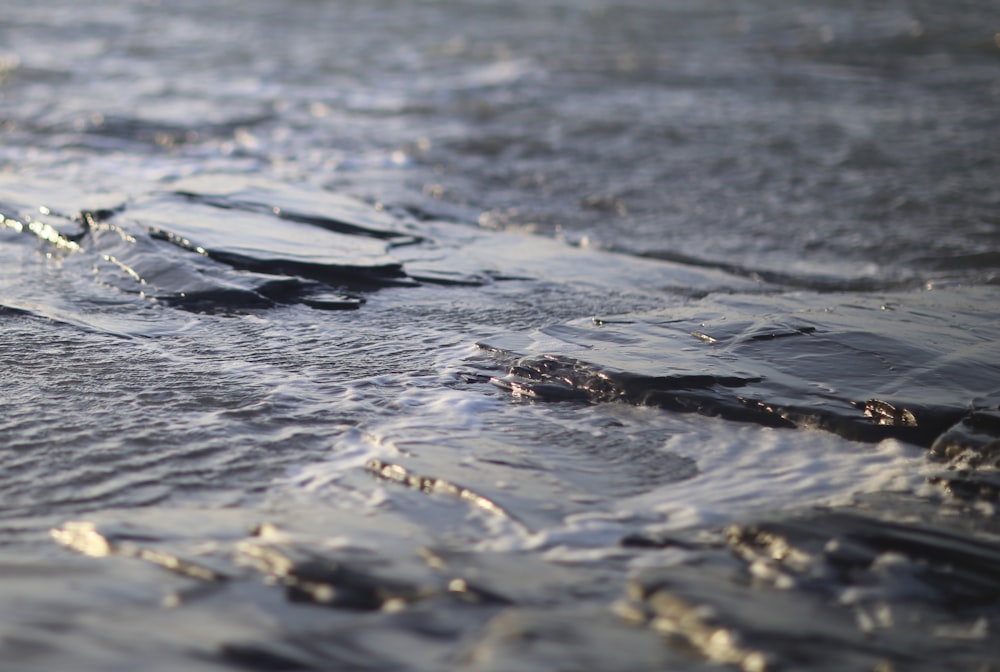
(499, 336)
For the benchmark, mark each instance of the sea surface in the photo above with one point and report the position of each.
(497, 335)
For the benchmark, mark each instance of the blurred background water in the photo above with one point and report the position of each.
(812, 138)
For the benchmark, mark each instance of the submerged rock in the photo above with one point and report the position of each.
(231, 243)
(265, 240)
(977, 434)
(100, 541)
(432, 484)
(825, 590)
(841, 363)
(970, 452)
(310, 577)
(233, 258)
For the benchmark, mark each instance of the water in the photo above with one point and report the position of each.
(494, 335)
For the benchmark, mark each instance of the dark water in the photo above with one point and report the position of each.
(500, 336)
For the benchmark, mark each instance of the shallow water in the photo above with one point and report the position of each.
(497, 335)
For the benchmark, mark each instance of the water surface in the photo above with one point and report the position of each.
(492, 335)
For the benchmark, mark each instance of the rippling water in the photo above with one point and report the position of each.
(493, 335)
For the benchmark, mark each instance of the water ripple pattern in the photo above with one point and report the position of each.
(491, 335)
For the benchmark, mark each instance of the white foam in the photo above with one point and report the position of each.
(750, 469)
(743, 469)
